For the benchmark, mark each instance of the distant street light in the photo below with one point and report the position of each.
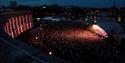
(119, 19)
(95, 21)
(86, 19)
(50, 53)
(36, 37)
(38, 19)
(44, 7)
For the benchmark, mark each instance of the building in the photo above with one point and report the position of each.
(16, 22)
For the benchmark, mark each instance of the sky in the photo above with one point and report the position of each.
(81, 3)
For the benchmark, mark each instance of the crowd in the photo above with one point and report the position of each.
(67, 42)
(79, 51)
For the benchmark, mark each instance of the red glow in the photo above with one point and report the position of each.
(20, 24)
(5, 27)
(14, 27)
(78, 35)
(27, 26)
(30, 21)
(17, 25)
(10, 26)
(23, 24)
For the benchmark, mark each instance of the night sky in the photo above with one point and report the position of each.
(81, 3)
